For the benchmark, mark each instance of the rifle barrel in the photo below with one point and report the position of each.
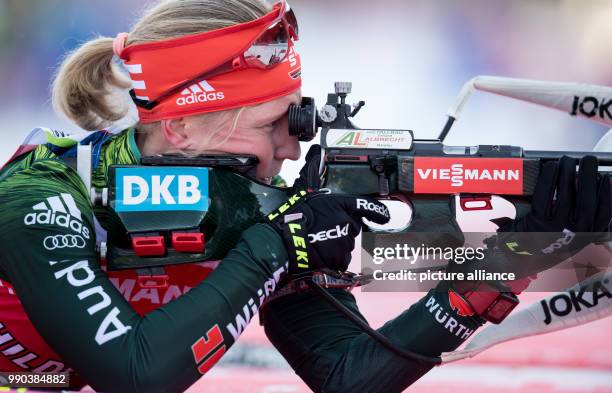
(605, 158)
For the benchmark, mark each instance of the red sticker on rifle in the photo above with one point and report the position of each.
(446, 175)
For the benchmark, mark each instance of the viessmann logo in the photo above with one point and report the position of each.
(199, 92)
(444, 175)
(58, 210)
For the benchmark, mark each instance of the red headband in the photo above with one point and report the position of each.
(157, 67)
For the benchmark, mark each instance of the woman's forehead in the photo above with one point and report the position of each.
(275, 108)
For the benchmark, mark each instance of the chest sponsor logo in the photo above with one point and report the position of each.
(133, 293)
(58, 210)
(63, 241)
(161, 189)
(445, 175)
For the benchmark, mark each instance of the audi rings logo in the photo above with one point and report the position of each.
(64, 241)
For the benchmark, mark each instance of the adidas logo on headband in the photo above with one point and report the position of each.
(199, 92)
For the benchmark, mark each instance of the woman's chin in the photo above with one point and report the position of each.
(265, 180)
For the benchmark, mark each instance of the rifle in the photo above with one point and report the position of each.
(426, 173)
(429, 175)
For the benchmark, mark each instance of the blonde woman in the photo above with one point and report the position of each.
(206, 76)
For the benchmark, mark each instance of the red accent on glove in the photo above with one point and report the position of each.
(459, 304)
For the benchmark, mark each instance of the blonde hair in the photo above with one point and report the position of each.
(209, 136)
(91, 90)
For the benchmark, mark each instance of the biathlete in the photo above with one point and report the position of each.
(208, 76)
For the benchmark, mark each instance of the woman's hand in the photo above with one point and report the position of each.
(568, 213)
(319, 228)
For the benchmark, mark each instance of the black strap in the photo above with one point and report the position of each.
(384, 341)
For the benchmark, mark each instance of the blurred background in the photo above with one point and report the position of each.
(407, 59)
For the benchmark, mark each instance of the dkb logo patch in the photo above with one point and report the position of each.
(161, 189)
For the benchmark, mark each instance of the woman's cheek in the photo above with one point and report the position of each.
(263, 166)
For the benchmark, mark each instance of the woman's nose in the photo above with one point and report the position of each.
(288, 147)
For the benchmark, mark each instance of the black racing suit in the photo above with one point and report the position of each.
(95, 330)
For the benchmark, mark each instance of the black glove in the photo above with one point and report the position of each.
(567, 212)
(310, 178)
(319, 228)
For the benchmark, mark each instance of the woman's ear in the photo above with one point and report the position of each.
(174, 132)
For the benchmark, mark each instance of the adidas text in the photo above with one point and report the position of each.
(201, 91)
(201, 97)
(53, 218)
(58, 210)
